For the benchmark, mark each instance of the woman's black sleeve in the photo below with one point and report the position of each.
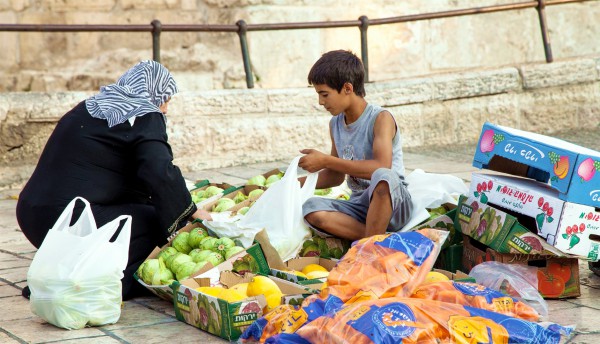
(154, 162)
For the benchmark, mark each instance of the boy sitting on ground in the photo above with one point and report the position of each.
(366, 149)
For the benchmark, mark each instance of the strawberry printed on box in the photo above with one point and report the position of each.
(566, 167)
(570, 227)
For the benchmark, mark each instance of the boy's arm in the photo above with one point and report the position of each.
(383, 130)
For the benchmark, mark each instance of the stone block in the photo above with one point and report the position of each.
(220, 102)
(295, 100)
(437, 124)
(149, 4)
(465, 85)
(559, 73)
(408, 118)
(400, 92)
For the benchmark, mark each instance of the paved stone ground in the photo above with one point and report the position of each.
(152, 320)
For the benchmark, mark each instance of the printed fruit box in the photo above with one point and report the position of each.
(569, 168)
(298, 264)
(497, 229)
(570, 227)
(444, 222)
(558, 277)
(255, 258)
(324, 247)
(220, 317)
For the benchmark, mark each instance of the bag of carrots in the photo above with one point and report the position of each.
(476, 295)
(409, 320)
(380, 266)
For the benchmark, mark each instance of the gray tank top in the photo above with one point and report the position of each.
(355, 142)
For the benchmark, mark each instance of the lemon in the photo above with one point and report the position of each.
(434, 276)
(262, 285)
(317, 274)
(231, 295)
(212, 291)
(273, 300)
(297, 273)
(241, 287)
(312, 267)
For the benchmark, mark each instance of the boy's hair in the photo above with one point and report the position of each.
(337, 67)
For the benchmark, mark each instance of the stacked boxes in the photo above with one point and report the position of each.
(544, 215)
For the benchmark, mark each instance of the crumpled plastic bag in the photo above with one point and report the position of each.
(516, 280)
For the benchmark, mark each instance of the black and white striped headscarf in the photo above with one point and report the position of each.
(141, 90)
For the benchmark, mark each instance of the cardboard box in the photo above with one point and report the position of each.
(203, 184)
(498, 230)
(268, 174)
(450, 258)
(568, 168)
(570, 227)
(298, 264)
(457, 276)
(231, 193)
(444, 222)
(225, 319)
(558, 277)
(262, 253)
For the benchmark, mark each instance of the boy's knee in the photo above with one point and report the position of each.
(315, 219)
(382, 173)
(382, 189)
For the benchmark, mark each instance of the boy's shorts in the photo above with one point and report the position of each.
(358, 204)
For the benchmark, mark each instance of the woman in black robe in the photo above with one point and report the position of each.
(112, 150)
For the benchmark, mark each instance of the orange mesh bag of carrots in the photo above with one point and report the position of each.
(408, 321)
(385, 265)
(375, 267)
(476, 295)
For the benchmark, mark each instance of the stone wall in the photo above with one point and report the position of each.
(218, 128)
(50, 62)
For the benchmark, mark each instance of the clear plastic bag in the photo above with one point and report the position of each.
(75, 276)
(516, 280)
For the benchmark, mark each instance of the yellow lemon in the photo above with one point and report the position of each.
(212, 291)
(434, 276)
(297, 273)
(262, 285)
(324, 285)
(241, 287)
(312, 267)
(231, 295)
(273, 300)
(317, 274)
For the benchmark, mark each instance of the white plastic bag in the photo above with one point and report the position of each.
(516, 280)
(431, 190)
(278, 211)
(75, 276)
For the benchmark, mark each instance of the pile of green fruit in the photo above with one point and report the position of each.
(226, 203)
(188, 253)
(324, 247)
(260, 180)
(202, 195)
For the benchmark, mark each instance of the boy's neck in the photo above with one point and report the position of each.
(355, 110)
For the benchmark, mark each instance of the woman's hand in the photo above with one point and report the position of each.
(201, 214)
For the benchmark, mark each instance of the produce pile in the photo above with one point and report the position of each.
(378, 289)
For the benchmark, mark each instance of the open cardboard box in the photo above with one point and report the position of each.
(568, 168)
(498, 230)
(201, 185)
(226, 319)
(298, 264)
(231, 193)
(262, 253)
(558, 277)
(572, 228)
(457, 276)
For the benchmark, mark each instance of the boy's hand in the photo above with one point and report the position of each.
(313, 161)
